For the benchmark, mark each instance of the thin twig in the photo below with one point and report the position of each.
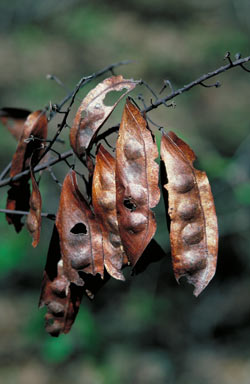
(83, 81)
(5, 171)
(198, 81)
(103, 135)
(86, 79)
(38, 168)
(154, 105)
(50, 216)
(52, 174)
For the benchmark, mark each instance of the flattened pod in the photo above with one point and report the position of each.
(79, 233)
(93, 113)
(19, 193)
(104, 203)
(36, 125)
(136, 182)
(14, 119)
(61, 298)
(193, 229)
(34, 218)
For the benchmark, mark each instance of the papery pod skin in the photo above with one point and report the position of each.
(61, 298)
(14, 119)
(79, 233)
(19, 193)
(93, 113)
(193, 228)
(137, 188)
(36, 125)
(34, 218)
(104, 203)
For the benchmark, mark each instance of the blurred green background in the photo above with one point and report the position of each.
(148, 329)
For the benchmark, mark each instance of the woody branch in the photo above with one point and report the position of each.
(53, 110)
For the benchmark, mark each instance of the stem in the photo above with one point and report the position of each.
(159, 101)
(199, 81)
(38, 168)
(5, 171)
(50, 216)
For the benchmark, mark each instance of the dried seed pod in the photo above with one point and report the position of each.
(93, 113)
(61, 298)
(14, 119)
(104, 203)
(34, 218)
(79, 232)
(19, 193)
(136, 182)
(36, 125)
(193, 230)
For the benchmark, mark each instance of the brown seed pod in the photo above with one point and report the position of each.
(136, 182)
(13, 119)
(193, 229)
(61, 298)
(19, 193)
(79, 233)
(34, 218)
(93, 113)
(104, 203)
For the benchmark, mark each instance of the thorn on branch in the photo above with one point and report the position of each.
(133, 101)
(216, 85)
(142, 82)
(244, 68)
(109, 145)
(56, 79)
(228, 57)
(141, 98)
(167, 83)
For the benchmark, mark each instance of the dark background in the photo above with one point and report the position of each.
(148, 329)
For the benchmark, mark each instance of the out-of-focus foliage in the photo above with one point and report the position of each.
(148, 330)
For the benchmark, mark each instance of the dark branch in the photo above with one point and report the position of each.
(50, 216)
(86, 79)
(200, 80)
(5, 171)
(38, 168)
(159, 101)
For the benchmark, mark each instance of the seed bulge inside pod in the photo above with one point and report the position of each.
(183, 183)
(137, 222)
(59, 287)
(138, 193)
(192, 261)
(115, 240)
(187, 209)
(107, 201)
(192, 233)
(56, 308)
(81, 260)
(133, 149)
(107, 180)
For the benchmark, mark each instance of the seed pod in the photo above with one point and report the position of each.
(61, 298)
(193, 229)
(34, 218)
(104, 203)
(136, 183)
(13, 119)
(79, 233)
(19, 193)
(93, 113)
